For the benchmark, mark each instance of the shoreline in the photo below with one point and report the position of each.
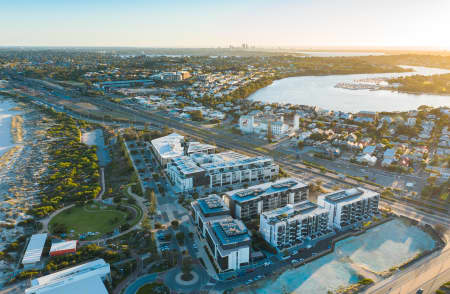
(20, 167)
(294, 92)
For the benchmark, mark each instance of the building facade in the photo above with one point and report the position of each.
(168, 147)
(251, 202)
(215, 171)
(208, 210)
(294, 224)
(229, 243)
(349, 208)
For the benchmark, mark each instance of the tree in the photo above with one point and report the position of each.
(269, 132)
(175, 223)
(186, 268)
(152, 199)
(180, 237)
(196, 115)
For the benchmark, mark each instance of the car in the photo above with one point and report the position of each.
(294, 252)
(294, 261)
(267, 263)
(419, 291)
(249, 281)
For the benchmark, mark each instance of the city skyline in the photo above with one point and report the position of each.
(349, 23)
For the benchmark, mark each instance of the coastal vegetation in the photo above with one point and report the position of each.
(418, 84)
(73, 171)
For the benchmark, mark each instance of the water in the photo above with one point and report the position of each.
(339, 54)
(377, 250)
(321, 91)
(95, 137)
(6, 141)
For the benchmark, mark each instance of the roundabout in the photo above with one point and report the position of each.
(193, 279)
(173, 280)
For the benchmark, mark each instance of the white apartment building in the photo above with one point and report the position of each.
(348, 208)
(294, 224)
(279, 128)
(229, 243)
(207, 210)
(219, 170)
(87, 278)
(251, 202)
(259, 124)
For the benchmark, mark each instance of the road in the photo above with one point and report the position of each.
(402, 282)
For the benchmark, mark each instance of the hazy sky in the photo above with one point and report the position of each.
(206, 23)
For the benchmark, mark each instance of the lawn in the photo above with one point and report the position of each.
(154, 287)
(90, 218)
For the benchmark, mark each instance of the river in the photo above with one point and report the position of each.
(321, 91)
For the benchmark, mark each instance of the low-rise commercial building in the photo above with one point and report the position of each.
(294, 224)
(32, 255)
(87, 278)
(348, 208)
(229, 242)
(168, 147)
(251, 202)
(63, 247)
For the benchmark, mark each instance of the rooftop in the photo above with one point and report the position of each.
(64, 245)
(34, 249)
(349, 195)
(230, 231)
(84, 278)
(212, 204)
(242, 195)
(305, 208)
(186, 165)
(169, 146)
(199, 147)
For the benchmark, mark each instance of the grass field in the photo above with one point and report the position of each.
(90, 218)
(154, 287)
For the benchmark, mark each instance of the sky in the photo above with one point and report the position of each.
(213, 23)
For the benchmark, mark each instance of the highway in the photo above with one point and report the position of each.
(429, 273)
(230, 141)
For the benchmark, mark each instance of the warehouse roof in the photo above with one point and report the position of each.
(34, 249)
